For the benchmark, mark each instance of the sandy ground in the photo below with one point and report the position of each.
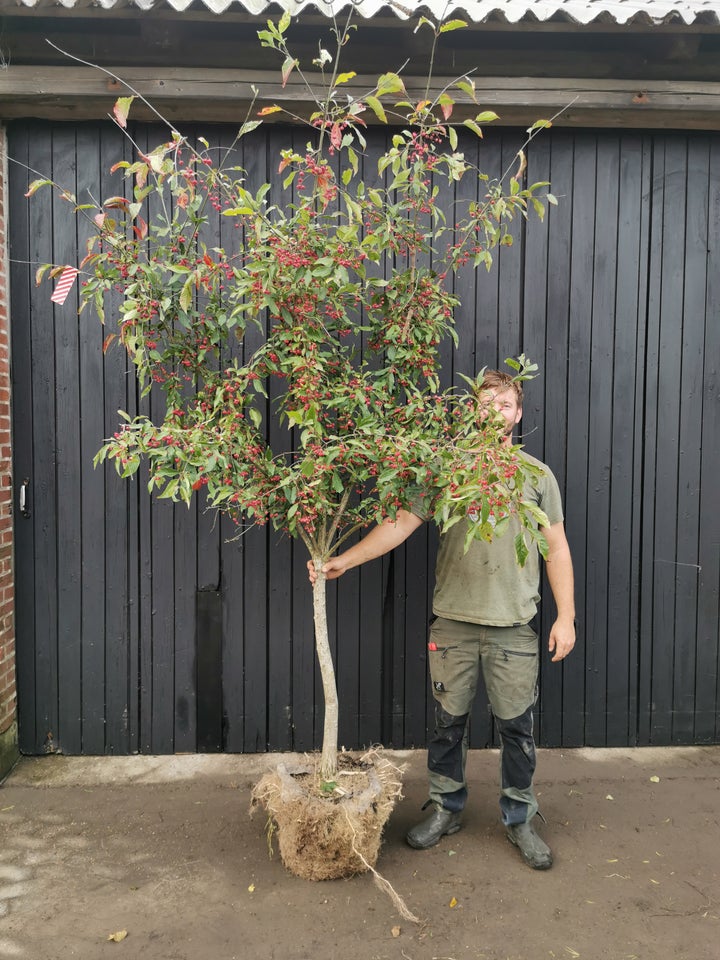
(164, 849)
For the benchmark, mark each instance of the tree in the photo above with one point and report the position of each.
(350, 284)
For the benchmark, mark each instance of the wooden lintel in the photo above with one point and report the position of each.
(225, 95)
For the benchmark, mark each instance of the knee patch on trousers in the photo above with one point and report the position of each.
(445, 747)
(518, 750)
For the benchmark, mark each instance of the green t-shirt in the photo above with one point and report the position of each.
(486, 585)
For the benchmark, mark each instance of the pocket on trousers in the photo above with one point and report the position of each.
(439, 674)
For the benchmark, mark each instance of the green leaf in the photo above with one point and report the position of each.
(255, 416)
(122, 109)
(487, 116)
(389, 83)
(471, 125)
(285, 20)
(287, 68)
(453, 137)
(539, 208)
(35, 185)
(377, 108)
(423, 21)
(452, 25)
(536, 513)
(540, 125)
(521, 550)
(248, 127)
(467, 86)
(344, 77)
(40, 273)
(186, 294)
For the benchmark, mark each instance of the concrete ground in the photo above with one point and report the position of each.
(163, 849)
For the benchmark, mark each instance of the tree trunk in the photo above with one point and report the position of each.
(328, 762)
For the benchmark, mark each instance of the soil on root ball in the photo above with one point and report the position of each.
(332, 830)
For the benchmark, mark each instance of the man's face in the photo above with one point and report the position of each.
(506, 404)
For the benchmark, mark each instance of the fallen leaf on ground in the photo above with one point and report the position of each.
(453, 902)
(395, 931)
(5, 809)
(251, 888)
(654, 779)
(609, 797)
(118, 936)
(451, 853)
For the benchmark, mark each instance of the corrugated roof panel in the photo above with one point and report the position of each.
(478, 11)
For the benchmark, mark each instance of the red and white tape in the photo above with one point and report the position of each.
(64, 285)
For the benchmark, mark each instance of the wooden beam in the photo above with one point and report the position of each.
(81, 93)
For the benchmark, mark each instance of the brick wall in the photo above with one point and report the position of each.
(8, 696)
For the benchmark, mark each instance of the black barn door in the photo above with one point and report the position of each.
(143, 626)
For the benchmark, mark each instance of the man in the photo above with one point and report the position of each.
(482, 605)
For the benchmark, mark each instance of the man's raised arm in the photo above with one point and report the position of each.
(381, 540)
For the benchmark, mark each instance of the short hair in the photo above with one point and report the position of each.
(499, 380)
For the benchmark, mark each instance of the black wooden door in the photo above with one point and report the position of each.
(142, 627)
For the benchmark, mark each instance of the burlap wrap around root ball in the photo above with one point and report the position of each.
(334, 835)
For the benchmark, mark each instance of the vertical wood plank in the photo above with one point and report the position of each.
(650, 446)
(90, 501)
(625, 429)
(67, 447)
(668, 437)
(487, 283)
(707, 703)
(600, 415)
(534, 252)
(121, 520)
(690, 390)
(578, 669)
(255, 675)
(19, 139)
(44, 481)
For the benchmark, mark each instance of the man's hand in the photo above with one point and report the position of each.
(334, 568)
(562, 639)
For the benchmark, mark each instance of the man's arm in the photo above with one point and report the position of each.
(560, 575)
(381, 540)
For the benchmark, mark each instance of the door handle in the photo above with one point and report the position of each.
(24, 508)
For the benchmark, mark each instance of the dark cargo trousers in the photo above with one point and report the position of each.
(509, 659)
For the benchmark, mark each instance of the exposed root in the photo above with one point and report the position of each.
(386, 887)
